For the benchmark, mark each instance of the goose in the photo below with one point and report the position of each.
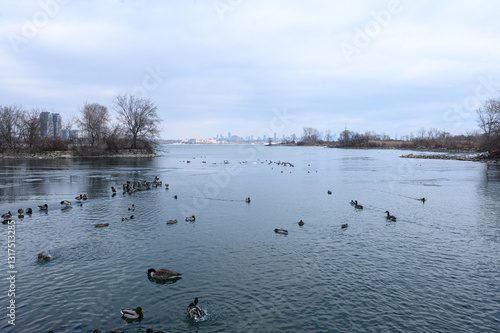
(131, 217)
(356, 205)
(345, 225)
(20, 211)
(301, 223)
(7, 216)
(163, 274)
(281, 231)
(171, 221)
(100, 225)
(43, 257)
(131, 207)
(329, 192)
(390, 217)
(149, 330)
(29, 211)
(43, 207)
(194, 311)
(66, 203)
(132, 314)
(191, 218)
(247, 200)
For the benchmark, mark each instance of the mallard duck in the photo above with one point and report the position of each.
(149, 330)
(345, 225)
(43, 207)
(390, 217)
(43, 257)
(131, 217)
(191, 218)
(131, 207)
(329, 192)
(79, 198)
(84, 197)
(281, 231)
(247, 200)
(171, 221)
(100, 225)
(7, 216)
(66, 203)
(356, 205)
(194, 311)
(301, 223)
(163, 274)
(132, 314)
(29, 211)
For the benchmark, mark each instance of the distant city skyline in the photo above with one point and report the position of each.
(258, 67)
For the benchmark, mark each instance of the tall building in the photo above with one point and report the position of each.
(47, 124)
(56, 119)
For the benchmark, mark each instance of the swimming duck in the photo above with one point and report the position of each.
(301, 223)
(29, 211)
(422, 199)
(131, 207)
(390, 217)
(345, 225)
(353, 202)
(131, 217)
(43, 257)
(171, 221)
(99, 331)
(20, 211)
(84, 197)
(163, 274)
(7, 216)
(100, 225)
(281, 231)
(132, 314)
(79, 198)
(190, 218)
(113, 189)
(175, 197)
(66, 203)
(194, 311)
(247, 200)
(43, 207)
(356, 205)
(329, 192)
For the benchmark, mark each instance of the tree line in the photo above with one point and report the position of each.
(135, 126)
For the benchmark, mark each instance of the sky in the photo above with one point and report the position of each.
(257, 67)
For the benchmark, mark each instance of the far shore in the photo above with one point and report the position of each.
(72, 155)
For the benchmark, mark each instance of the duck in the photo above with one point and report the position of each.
(175, 197)
(329, 192)
(131, 207)
(99, 331)
(171, 221)
(113, 189)
(131, 217)
(390, 217)
(194, 311)
(7, 216)
(132, 314)
(353, 202)
(166, 186)
(84, 197)
(356, 205)
(43, 257)
(247, 200)
(422, 199)
(66, 203)
(20, 211)
(281, 231)
(345, 225)
(29, 211)
(191, 218)
(150, 330)
(100, 225)
(163, 274)
(301, 223)
(79, 198)
(43, 207)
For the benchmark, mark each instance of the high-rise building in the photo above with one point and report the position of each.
(56, 119)
(46, 124)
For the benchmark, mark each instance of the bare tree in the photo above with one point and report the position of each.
(9, 126)
(328, 135)
(139, 116)
(30, 127)
(488, 117)
(310, 135)
(94, 123)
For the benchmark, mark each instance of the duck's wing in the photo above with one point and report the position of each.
(129, 313)
(165, 273)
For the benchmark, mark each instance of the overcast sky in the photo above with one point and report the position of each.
(253, 67)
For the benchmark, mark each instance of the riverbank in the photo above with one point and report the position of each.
(475, 157)
(70, 155)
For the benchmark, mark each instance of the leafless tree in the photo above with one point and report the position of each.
(488, 117)
(310, 135)
(30, 127)
(139, 117)
(328, 135)
(94, 123)
(9, 126)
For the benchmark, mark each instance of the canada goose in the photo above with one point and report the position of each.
(43, 207)
(171, 221)
(131, 217)
(190, 218)
(194, 311)
(163, 274)
(43, 257)
(131, 207)
(329, 192)
(345, 225)
(281, 231)
(66, 203)
(301, 223)
(390, 217)
(132, 314)
(100, 225)
(356, 205)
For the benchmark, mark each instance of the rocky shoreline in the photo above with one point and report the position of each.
(71, 155)
(476, 157)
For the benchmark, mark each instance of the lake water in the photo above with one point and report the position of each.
(437, 269)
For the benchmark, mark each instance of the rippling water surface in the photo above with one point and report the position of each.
(437, 269)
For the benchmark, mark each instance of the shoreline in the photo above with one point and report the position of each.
(71, 155)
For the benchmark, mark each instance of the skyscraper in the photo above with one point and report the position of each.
(56, 119)
(47, 124)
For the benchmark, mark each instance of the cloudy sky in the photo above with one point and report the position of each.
(253, 67)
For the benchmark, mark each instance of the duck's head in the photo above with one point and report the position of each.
(151, 270)
(138, 310)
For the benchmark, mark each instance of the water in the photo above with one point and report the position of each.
(437, 269)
